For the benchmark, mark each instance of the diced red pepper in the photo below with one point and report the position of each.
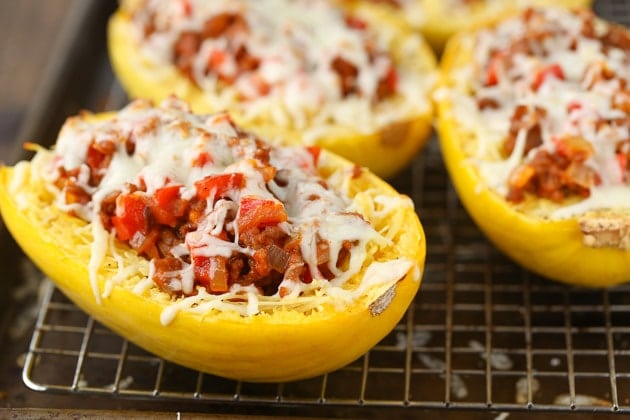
(202, 160)
(492, 77)
(261, 84)
(573, 105)
(211, 272)
(94, 157)
(219, 185)
(164, 196)
(259, 212)
(388, 84)
(391, 79)
(215, 60)
(168, 207)
(492, 72)
(622, 160)
(314, 151)
(131, 215)
(260, 262)
(99, 154)
(574, 148)
(553, 70)
(355, 22)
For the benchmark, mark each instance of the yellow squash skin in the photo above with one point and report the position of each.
(551, 248)
(385, 152)
(282, 346)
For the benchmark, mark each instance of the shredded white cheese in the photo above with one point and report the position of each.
(586, 101)
(167, 141)
(296, 42)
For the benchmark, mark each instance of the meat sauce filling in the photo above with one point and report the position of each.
(156, 225)
(560, 170)
(233, 29)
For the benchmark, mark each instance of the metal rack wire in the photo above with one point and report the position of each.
(482, 334)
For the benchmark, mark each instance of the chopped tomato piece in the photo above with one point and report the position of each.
(355, 22)
(218, 185)
(261, 84)
(573, 105)
(211, 272)
(260, 262)
(622, 160)
(215, 60)
(259, 212)
(99, 154)
(202, 160)
(131, 215)
(492, 77)
(94, 157)
(187, 7)
(168, 207)
(553, 70)
(492, 72)
(315, 152)
(391, 79)
(165, 195)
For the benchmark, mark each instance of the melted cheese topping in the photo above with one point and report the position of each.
(421, 13)
(463, 9)
(296, 42)
(167, 140)
(578, 104)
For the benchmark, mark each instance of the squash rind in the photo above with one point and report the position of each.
(262, 348)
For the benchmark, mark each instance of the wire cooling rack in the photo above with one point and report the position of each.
(482, 334)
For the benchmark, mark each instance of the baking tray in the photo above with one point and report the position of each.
(483, 336)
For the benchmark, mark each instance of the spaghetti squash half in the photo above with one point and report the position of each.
(306, 72)
(438, 20)
(206, 246)
(534, 123)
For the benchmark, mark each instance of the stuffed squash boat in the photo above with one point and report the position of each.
(438, 20)
(208, 247)
(357, 83)
(534, 122)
